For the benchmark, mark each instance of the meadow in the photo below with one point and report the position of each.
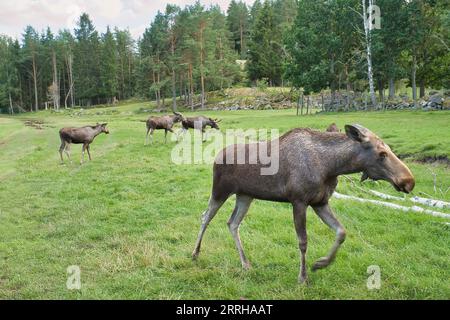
(129, 218)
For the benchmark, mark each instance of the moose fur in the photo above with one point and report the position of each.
(309, 165)
(84, 135)
(164, 122)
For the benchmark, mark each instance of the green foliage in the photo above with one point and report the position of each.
(238, 21)
(186, 52)
(265, 51)
(327, 50)
(108, 65)
(130, 217)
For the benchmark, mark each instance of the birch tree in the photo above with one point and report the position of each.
(368, 26)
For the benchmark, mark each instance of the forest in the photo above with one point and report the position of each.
(187, 52)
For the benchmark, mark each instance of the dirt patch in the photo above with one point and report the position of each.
(439, 159)
(36, 124)
(435, 159)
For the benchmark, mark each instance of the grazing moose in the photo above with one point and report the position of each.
(200, 123)
(84, 135)
(332, 128)
(309, 165)
(164, 122)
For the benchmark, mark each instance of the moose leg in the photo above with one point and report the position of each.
(171, 130)
(213, 206)
(239, 212)
(88, 148)
(82, 153)
(146, 136)
(165, 135)
(151, 135)
(61, 149)
(67, 151)
(327, 216)
(300, 228)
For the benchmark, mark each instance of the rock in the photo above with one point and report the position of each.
(436, 98)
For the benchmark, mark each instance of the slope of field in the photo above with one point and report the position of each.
(130, 217)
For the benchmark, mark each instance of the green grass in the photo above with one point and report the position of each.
(130, 217)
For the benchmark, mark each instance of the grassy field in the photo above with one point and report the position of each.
(130, 217)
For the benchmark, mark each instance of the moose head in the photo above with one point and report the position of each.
(378, 160)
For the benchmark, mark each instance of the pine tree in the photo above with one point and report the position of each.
(238, 25)
(264, 50)
(108, 68)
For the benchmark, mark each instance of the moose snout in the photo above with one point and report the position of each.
(407, 184)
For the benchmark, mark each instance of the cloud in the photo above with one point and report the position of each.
(135, 15)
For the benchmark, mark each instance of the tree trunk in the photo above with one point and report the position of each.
(174, 88)
(307, 105)
(381, 91)
(35, 84)
(191, 87)
(413, 81)
(421, 88)
(158, 90)
(202, 76)
(391, 88)
(70, 78)
(10, 104)
(348, 89)
(301, 111)
(241, 31)
(122, 78)
(55, 92)
(221, 62)
(129, 76)
(369, 51)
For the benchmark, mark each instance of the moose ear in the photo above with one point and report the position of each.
(356, 132)
(104, 124)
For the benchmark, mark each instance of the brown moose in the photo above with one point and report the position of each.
(199, 123)
(163, 122)
(309, 165)
(84, 135)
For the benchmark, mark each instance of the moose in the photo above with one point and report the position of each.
(164, 122)
(84, 135)
(332, 128)
(309, 165)
(200, 123)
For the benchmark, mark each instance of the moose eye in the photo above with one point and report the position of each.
(383, 155)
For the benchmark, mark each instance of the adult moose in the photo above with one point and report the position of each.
(84, 135)
(164, 122)
(309, 165)
(199, 123)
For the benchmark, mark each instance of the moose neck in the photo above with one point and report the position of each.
(97, 131)
(344, 157)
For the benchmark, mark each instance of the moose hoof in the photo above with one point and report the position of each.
(302, 279)
(320, 264)
(246, 266)
(195, 255)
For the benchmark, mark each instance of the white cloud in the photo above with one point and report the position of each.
(136, 15)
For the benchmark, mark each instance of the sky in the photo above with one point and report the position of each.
(135, 15)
